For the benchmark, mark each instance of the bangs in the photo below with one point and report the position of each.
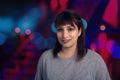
(64, 19)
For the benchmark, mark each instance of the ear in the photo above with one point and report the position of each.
(79, 32)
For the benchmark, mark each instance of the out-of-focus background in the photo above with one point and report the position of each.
(27, 29)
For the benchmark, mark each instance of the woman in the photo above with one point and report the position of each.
(70, 59)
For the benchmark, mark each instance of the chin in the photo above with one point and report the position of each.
(66, 46)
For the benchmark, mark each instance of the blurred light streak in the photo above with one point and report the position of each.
(63, 5)
(102, 40)
(44, 11)
(23, 43)
(29, 22)
(54, 5)
(93, 46)
(34, 13)
(109, 45)
(101, 43)
(25, 24)
(111, 13)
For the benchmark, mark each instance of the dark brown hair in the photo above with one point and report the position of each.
(71, 17)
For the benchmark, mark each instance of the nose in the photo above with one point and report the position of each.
(65, 34)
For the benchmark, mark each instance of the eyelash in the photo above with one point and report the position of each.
(69, 29)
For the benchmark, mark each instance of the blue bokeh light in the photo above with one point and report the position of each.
(39, 41)
(53, 28)
(50, 42)
(6, 24)
(84, 23)
(116, 51)
(2, 38)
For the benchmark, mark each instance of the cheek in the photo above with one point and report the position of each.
(75, 34)
(58, 35)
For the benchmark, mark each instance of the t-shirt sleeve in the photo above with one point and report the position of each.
(101, 70)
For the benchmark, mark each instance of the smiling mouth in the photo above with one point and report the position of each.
(65, 41)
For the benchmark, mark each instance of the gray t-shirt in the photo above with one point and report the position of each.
(91, 67)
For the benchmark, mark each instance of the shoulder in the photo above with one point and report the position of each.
(100, 66)
(94, 57)
(46, 53)
(93, 54)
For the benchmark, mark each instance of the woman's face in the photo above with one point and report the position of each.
(67, 35)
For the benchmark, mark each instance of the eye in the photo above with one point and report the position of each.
(70, 29)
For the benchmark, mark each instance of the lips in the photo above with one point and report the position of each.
(65, 41)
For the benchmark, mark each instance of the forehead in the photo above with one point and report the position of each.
(67, 26)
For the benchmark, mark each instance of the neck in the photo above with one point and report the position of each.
(68, 52)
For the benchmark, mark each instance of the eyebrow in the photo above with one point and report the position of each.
(69, 25)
